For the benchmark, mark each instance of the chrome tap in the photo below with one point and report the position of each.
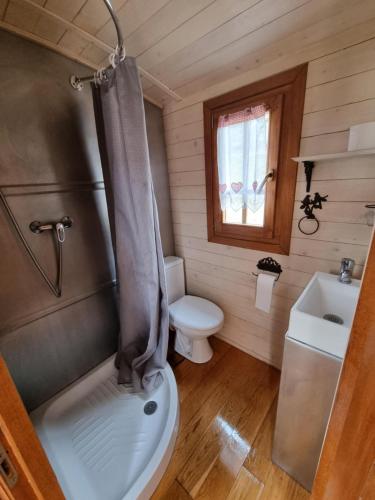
(346, 270)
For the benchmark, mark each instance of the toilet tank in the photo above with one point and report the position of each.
(175, 278)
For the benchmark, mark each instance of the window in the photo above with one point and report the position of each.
(251, 134)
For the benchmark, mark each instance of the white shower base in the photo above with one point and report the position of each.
(100, 442)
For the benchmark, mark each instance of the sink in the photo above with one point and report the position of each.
(314, 350)
(324, 295)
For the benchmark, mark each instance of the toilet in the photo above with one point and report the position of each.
(193, 318)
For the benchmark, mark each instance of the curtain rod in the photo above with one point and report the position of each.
(96, 41)
(77, 82)
(120, 38)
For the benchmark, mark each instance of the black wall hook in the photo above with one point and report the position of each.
(309, 165)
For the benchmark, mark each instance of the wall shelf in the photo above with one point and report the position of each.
(335, 156)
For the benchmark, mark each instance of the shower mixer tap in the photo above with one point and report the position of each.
(38, 227)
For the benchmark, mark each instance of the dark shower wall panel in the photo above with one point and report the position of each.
(47, 131)
(84, 271)
(50, 167)
(46, 355)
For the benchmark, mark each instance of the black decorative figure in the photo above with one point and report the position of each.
(308, 205)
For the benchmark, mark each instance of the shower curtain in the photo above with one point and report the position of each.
(142, 300)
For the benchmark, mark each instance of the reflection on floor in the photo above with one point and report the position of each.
(223, 450)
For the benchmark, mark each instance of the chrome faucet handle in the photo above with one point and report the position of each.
(346, 270)
(347, 264)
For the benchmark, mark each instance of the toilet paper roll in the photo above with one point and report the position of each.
(263, 297)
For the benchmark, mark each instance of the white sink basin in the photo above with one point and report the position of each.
(323, 295)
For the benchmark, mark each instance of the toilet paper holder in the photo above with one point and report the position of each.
(271, 265)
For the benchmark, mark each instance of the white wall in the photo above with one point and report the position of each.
(340, 92)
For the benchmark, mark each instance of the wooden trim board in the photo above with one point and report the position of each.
(36, 478)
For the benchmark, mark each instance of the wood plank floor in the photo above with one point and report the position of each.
(223, 449)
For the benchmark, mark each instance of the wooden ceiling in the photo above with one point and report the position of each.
(187, 45)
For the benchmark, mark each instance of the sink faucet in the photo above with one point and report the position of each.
(346, 270)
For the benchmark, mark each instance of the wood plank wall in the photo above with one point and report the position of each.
(340, 92)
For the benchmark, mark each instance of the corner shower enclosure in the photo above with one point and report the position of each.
(114, 436)
(97, 425)
(101, 440)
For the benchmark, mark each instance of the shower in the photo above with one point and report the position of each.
(59, 197)
(58, 230)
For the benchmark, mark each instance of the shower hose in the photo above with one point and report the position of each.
(55, 288)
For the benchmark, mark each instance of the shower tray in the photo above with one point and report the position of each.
(103, 441)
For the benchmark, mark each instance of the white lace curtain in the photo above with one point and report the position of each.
(242, 147)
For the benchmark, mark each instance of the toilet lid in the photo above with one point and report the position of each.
(195, 313)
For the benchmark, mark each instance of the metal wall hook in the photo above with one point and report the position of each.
(309, 165)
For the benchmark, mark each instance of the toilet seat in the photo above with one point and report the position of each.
(195, 316)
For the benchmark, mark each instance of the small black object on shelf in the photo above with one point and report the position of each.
(271, 265)
(309, 165)
(308, 205)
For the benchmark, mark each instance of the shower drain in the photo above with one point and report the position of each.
(150, 407)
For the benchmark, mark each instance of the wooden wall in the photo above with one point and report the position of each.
(340, 92)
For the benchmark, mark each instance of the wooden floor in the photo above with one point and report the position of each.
(223, 449)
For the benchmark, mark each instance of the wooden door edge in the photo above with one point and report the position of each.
(349, 448)
(36, 478)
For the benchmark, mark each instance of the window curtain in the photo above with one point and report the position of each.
(242, 147)
(142, 299)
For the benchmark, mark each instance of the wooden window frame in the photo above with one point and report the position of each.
(286, 92)
(274, 101)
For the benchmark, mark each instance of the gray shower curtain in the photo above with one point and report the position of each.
(142, 300)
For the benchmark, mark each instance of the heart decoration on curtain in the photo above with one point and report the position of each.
(242, 156)
(236, 186)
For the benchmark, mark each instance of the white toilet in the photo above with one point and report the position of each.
(193, 318)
